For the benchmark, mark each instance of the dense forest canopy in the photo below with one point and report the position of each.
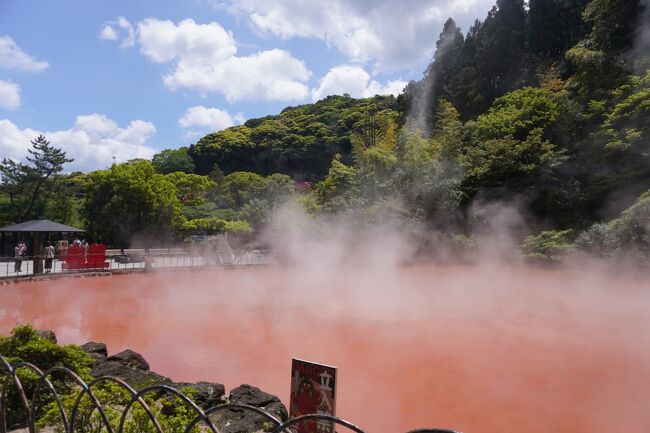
(545, 104)
(301, 141)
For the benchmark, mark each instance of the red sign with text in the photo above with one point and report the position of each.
(313, 391)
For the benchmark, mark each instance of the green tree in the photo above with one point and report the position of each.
(173, 160)
(27, 184)
(258, 209)
(300, 142)
(507, 164)
(627, 124)
(598, 58)
(215, 225)
(625, 234)
(65, 197)
(554, 26)
(240, 187)
(447, 134)
(427, 181)
(374, 129)
(191, 189)
(548, 246)
(501, 49)
(437, 82)
(518, 113)
(128, 201)
(336, 190)
(613, 24)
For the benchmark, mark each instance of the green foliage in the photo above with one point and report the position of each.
(613, 24)
(630, 232)
(172, 414)
(627, 124)
(596, 70)
(448, 132)
(215, 225)
(633, 225)
(27, 185)
(253, 197)
(128, 200)
(173, 160)
(555, 26)
(299, 142)
(548, 246)
(64, 199)
(518, 113)
(333, 192)
(191, 189)
(240, 187)
(428, 182)
(373, 129)
(507, 162)
(24, 345)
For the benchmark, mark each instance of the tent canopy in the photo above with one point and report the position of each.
(39, 226)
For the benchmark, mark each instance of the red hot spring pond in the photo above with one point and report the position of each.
(478, 349)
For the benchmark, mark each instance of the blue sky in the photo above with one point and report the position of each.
(125, 79)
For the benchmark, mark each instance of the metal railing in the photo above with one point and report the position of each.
(137, 259)
(71, 417)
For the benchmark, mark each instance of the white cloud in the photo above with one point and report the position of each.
(267, 75)
(164, 41)
(200, 120)
(392, 34)
(356, 82)
(9, 95)
(120, 28)
(205, 60)
(92, 141)
(108, 33)
(13, 57)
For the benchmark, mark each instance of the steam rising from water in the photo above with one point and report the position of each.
(490, 348)
(487, 348)
(640, 52)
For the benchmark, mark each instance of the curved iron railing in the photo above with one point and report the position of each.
(69, 419)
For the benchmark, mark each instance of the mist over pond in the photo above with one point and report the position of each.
(485, 348)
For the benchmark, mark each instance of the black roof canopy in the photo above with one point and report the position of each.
(39, 226)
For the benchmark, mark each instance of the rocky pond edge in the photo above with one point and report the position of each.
(133, 368)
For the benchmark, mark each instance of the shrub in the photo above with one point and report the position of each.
(548, 246)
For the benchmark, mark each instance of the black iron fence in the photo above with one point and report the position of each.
(136, 259)
(85, 410)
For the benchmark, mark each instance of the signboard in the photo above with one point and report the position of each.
(199, 239)
(62, 246)
(313, 391)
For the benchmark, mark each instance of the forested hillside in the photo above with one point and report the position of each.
(301, 141)
(544, 106)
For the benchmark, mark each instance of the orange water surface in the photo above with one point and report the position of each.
(478, 349)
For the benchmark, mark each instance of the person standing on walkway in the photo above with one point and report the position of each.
(19, 252)
(49, 256)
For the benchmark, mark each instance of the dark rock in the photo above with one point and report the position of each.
(135, 377)
(206, 394)
(250, 395)
(92, 347)
(244, 421)
(96, 358)
(46, 334)
(131, 359)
